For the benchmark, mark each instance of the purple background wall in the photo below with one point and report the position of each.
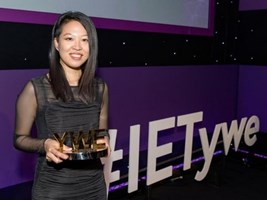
(252, 97)
(137, 96)
(252, 5)
(16, 166)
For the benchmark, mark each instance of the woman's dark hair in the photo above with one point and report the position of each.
(60, 85)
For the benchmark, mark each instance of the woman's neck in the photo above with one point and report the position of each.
(73, 77)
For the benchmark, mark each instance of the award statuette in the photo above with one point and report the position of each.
(84, 146)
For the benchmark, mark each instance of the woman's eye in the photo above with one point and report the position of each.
(68, 38)
(85, 40)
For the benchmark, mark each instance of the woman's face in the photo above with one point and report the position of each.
(72, 45)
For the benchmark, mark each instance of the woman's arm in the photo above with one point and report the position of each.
(26, 107)
(103, 119)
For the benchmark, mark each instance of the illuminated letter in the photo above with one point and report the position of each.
(134, 158)
(251, 130)
(155, 151)
(234, 132)
(189, 120)
(208, 150)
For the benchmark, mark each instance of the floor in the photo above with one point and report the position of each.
(235, 177)
(240, 178)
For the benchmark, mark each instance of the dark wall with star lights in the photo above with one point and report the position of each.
(239, 37)
(252, 32)
(28, 44)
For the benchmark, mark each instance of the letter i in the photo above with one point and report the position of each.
(134, 158)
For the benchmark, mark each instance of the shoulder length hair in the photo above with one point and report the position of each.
(59, 83)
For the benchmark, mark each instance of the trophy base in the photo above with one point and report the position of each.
(89, 154)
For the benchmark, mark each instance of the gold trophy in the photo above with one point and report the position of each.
(84, 146)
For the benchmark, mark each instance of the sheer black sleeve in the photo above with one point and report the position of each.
(103, 120)
(26, 108)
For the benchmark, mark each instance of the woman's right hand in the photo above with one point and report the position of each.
(53, 154)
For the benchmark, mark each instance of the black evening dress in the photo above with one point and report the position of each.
(70, 180)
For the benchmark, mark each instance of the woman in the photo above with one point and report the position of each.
(68, 98)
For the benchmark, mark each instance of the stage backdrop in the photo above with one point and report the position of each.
(137, 96)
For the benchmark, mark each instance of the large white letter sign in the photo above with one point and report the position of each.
(234, 132)
(189, 120)
(248, 127)
(249, 130)
(155, 151)
(208, 150)
(134, 158)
